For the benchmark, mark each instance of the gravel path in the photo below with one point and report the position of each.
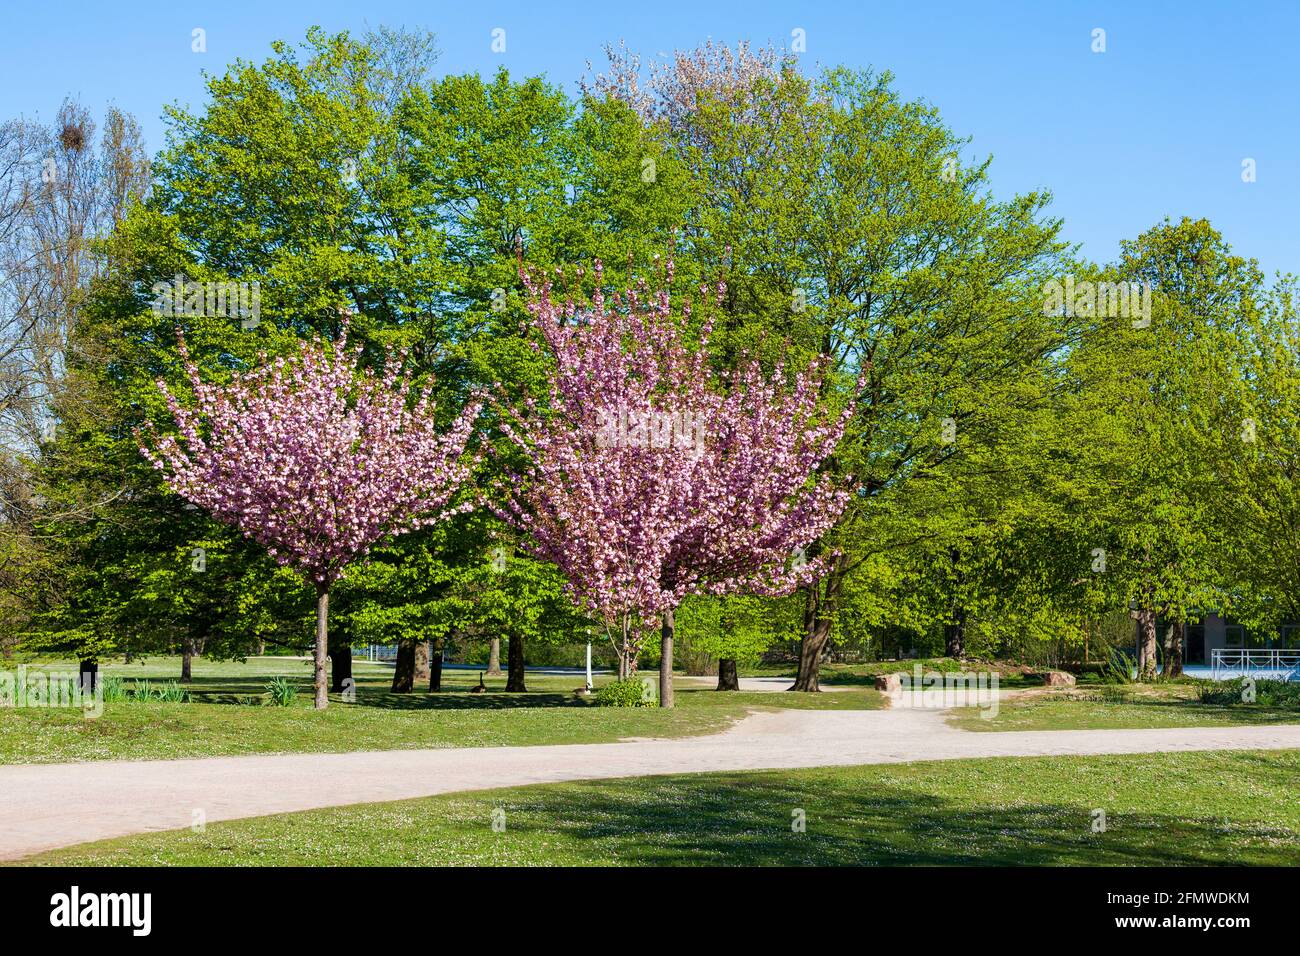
(42, 807)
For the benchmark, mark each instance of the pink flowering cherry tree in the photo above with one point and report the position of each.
(315, 460)
(650, 480)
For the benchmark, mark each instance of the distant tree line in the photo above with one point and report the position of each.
(1027, 470)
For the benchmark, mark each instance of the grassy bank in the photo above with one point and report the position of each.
(1160, 809)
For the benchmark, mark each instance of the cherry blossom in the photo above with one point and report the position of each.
(315, 459)
(636, 526)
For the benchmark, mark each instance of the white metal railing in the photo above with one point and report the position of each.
(1240, 662)
(377, 652)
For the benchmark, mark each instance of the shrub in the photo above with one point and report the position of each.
(1218, 692)
(171, 693)
(1268, 693)
(114, 689)
(1118, 670)
(1278, 693)
(1112, 694)
(144, 690)
(281, 691)
(630, 692)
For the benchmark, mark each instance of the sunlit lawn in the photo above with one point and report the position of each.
(1183, 809)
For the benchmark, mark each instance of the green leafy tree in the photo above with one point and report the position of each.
(511, 595)
(731, 631)
(1147, 498)
(289, 180)
(866, 239)
(1252, 441)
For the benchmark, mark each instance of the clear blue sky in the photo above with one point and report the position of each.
(1157, 125)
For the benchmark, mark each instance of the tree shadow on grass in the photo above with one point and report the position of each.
(746, 820)
(463, 700)
(374, 692)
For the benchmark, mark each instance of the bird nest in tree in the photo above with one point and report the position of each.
(73, 137)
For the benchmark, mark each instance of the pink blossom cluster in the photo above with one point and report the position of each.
(313, 458)
(636, 527)
(675, 88)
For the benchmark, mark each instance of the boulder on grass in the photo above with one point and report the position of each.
(889, 683)
(1055, 678)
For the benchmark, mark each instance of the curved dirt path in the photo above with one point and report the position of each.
(47, 806)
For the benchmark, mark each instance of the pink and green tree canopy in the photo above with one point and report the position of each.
(649, 479)
(314, 459)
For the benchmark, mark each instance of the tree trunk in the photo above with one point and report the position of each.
(89, 675)
(340, 667)
(954, 636)
(435, 666)
(404, 669)
(727, 679)
(187, 659)
(666, 698)
(421, 662)
(954, 632)
(818, 616)
(1174, 642)
(515, 662)
(624, 654)
(322, 645)
(810, 652)
(1146, 634)
(494, 658)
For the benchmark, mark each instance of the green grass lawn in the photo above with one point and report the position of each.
(213, 724)
(1161, 809)
(1119, 707)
